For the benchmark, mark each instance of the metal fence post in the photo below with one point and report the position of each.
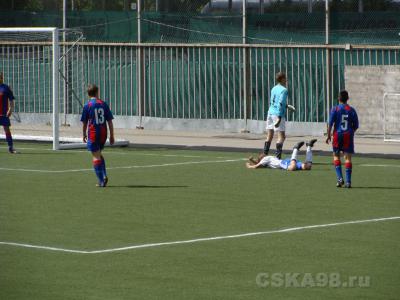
(245, 67)
(328, 60)
(139, 61)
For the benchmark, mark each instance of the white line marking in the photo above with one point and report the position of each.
(107, 151)
(384, 166)
(126, 167)
(198, 240)
(44, 248)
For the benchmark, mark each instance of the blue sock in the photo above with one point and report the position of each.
(338, 169)
(98, 169)
(103, 164)
(9, 141)
(349, 169)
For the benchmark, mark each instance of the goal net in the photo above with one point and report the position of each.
(391, 121)
(43, 67)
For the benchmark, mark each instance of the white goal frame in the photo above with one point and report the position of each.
(58, 142)
(55, 66)
(385, 95)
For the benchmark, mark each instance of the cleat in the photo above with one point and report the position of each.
(298, 145)
(105, 181)
(311, 142)
(339, 183)
(100, 184)
(348, 185)
(13, 151)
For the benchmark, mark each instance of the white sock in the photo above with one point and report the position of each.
(294, 154)
(309, 154)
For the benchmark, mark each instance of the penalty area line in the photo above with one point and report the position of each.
(383, 166)
(198, 240)
(127, 167)
(126, 153)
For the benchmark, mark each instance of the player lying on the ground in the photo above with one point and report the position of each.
(290, 164)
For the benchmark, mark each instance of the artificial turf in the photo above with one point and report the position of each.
(164, 195)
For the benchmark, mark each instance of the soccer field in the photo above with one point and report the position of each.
(181, 224)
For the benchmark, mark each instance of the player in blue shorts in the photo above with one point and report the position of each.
(6, 109)
(344, 122)
(289, 164)
(95, 117)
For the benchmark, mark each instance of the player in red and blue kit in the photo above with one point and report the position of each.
(344, 121)
(6, 108)
(95, 117)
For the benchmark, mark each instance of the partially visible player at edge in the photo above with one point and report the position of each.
(6, 109)
(95, 116)
(344, 121)
(276, 115)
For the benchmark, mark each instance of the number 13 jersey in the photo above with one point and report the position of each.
(96, 113)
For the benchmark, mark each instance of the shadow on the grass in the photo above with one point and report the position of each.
(42, 153)
(139, 186)
(376, 187)
(322, 164)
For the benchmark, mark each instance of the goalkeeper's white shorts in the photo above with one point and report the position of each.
(271, 121)
(271, 162)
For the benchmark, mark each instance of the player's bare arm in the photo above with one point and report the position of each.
(10, 108)
(329, 134)
(111, 127)
(249, 165)
(84, 131)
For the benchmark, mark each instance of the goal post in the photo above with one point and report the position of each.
(53, 32)
(46, 71)
(391, 121)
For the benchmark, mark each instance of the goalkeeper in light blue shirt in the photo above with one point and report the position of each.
(276, 114)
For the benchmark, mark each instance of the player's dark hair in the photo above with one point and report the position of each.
(344, 96)
(280, 76)
(92, 90)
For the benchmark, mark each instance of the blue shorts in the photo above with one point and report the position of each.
(286, 163)
(4, 121)
(94, 147)
(343, 142)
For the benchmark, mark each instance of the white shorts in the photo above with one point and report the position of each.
(271, 120)
(271, 162)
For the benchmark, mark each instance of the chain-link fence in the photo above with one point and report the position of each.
(217, 21)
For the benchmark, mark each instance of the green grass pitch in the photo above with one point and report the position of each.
(177, 195)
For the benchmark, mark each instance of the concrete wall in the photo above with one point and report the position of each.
(366, 86)
(231, 126)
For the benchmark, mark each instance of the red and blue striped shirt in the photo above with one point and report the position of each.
(6, 95)
(96, 113)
